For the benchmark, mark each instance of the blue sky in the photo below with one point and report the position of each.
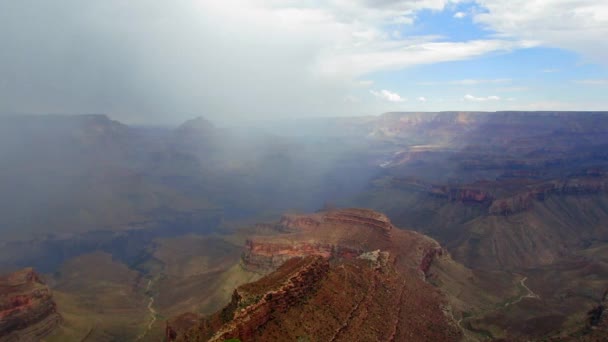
(535, 78)
(233, 60)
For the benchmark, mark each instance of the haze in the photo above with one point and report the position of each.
(163, 62)
(303, 170)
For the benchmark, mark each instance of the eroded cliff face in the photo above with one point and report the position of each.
(338, 234)
(340, 275)
(27, 309)
(524, 200)
(253, 304)
(264, 257)
(359, 299)
(507, 196)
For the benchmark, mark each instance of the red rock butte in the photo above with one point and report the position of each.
(27, 309)
(340, 275)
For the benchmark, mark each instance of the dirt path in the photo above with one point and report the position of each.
(469, 335)
(530, 293)
(153, 312)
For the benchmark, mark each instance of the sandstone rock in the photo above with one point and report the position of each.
(340, 275)
(27, 309)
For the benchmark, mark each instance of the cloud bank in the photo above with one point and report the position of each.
(161, 61)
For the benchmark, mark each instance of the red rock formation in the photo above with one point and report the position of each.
(524, 200)
(27, 310)
(342, 233)
(499, 195)
(362, 299)
(253, 304)
(345, 275)
(264, 257)
(303, 275)
(428, 258)
(362, 217)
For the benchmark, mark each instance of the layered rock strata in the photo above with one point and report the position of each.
(27, 309)
(340, 275)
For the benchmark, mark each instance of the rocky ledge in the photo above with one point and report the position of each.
(253, 304)
(27, 309)
(311, 299)
(340, 275)
(330, 234)
(351, 217)
(262, 257)
(338, 234)
(499, 197)
(524, 200)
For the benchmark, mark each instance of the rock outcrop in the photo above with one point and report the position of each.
(253, 304)
(360, 299)
(340, 275)
(27, 309)
(341, 234)
(524, 200)
(264, 257)
(499, 197)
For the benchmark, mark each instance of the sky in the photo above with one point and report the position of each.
(153, 61)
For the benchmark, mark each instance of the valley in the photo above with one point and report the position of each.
(467, 225)
(304, 171)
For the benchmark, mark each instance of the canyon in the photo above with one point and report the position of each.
(498, 220)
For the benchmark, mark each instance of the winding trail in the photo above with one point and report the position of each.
(530, 293)
(470, 335)
(152, 311)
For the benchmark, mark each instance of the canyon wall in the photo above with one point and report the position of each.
(27, 309)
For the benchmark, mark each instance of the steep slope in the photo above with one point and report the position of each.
(516, 192)
(27, 309)
(307, 299)
(336, 275)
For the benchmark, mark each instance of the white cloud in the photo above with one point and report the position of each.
(216, 49)
(596, 82)
(577, 25)
(213, 50)
(472, 98)
(387, 95)
(460, 15)
(422, 99)
(390, 55)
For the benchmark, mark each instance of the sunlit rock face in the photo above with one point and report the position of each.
(337, 275)
(27, 309)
